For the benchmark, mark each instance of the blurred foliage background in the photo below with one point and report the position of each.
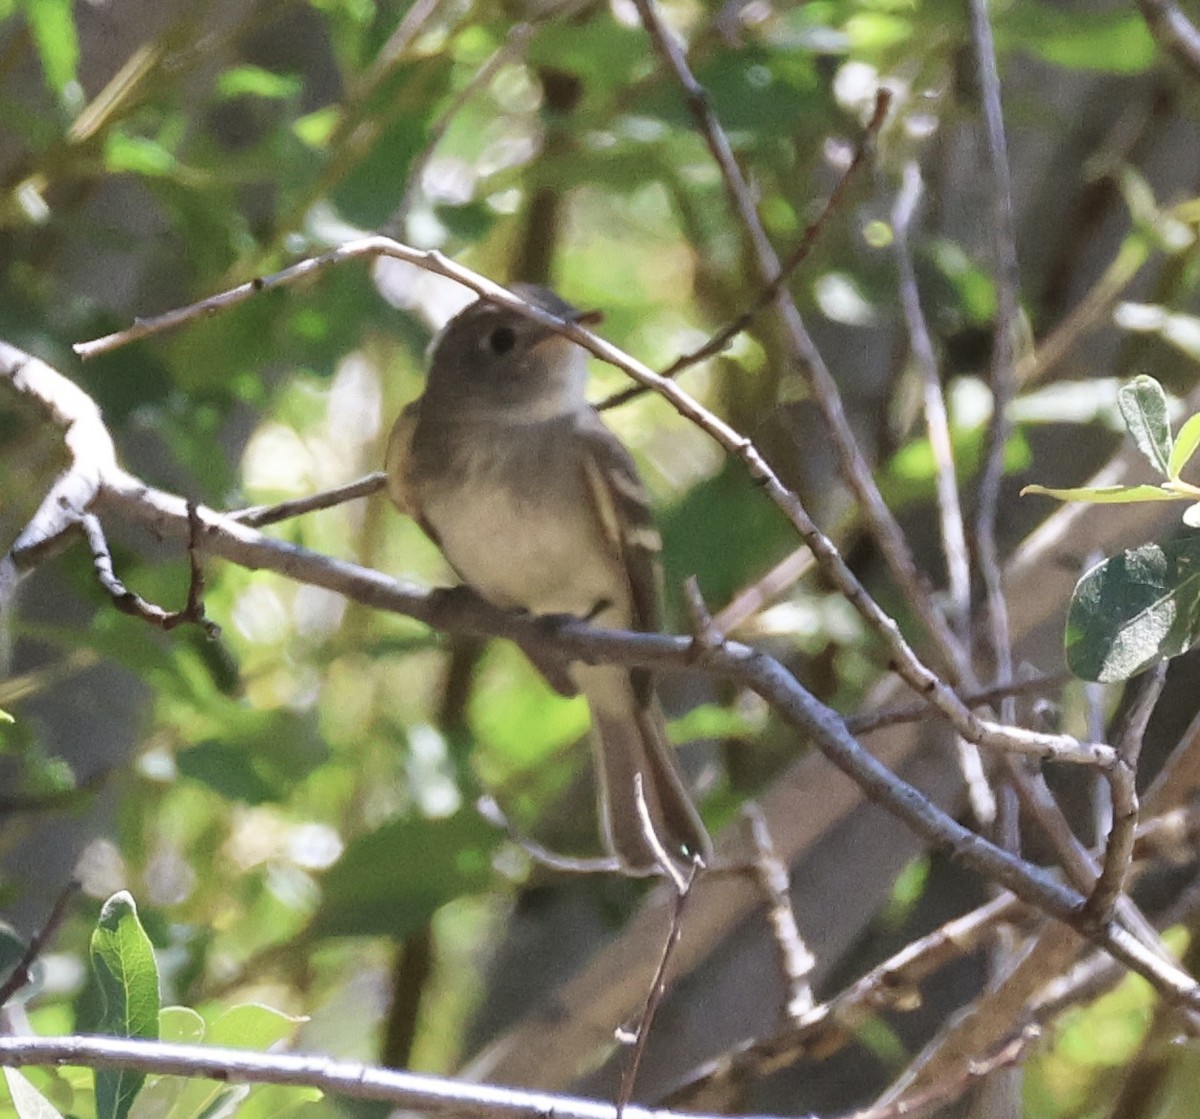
(292, 804)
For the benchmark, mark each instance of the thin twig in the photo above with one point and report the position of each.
(1173, 31)
(854, 466)
(924, 681)
(937, 423)
(750, 600)
(1079, 863)
(704, 629)
(658, 985)
(128, 602)
(795, 960)
(259, 515)
(912, 712)
(770, 291)
(514, 42)
(491, 811)
(19, 976)
(1003, 380)
(1122, 779)
(937, 1096)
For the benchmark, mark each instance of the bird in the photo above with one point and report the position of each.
(538, 507)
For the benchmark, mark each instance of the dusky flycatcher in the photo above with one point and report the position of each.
(537, 505)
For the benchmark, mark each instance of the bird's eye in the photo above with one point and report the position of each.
(502, 339)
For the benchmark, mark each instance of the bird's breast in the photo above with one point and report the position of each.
(512, 515)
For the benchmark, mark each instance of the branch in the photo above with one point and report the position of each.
(1122, 779)
(922, 679)
(772, 289)
(89, 447)
(433, 1094)
(19, 975)
(166, 516)
(854, 466)
(259, 516)
(1173, 31)
(1003, 373)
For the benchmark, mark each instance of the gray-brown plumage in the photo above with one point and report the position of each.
(537, 505)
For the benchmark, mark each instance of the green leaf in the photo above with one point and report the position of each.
(28, 1102)
(1135, 609)
(1143, 405)
(254, 81)
(316, 128)
(52, 24)
(711, 720)
(251, 1025)
(245, 1026)
(5, 717)
(137, 155)
(127, 974)
(1186, 443)
(1106, 495)
(392, 881)
(232, 771)
(1117, 42)
(180, 1025)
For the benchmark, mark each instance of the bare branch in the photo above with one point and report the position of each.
(1122, 780)
(166, 515)
(491, 811)
(1003, 377)
(258, 516)
(750, 600)
(19, 976)
(922, 679)
(128, 602)
(795, 960)
(658, 985)
(1173, 31)
(432, 1094)
(771, 290)
(937, 423)
(88, 444)
(855, 469)
(885, 717)
(944, 1092)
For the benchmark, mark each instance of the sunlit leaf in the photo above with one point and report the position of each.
(1117, 42)
(1143, 405)
(1186, 442)
(252, 1026)
(1134, 610)
(180, 1025)
(1105, 495)
(254, 81)
(127, 973)
(28, 1102)
(137, 155)
(52, 23)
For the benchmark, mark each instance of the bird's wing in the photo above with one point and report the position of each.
(398, 464)
(620, 502)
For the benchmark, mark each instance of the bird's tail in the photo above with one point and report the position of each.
(630, 741)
